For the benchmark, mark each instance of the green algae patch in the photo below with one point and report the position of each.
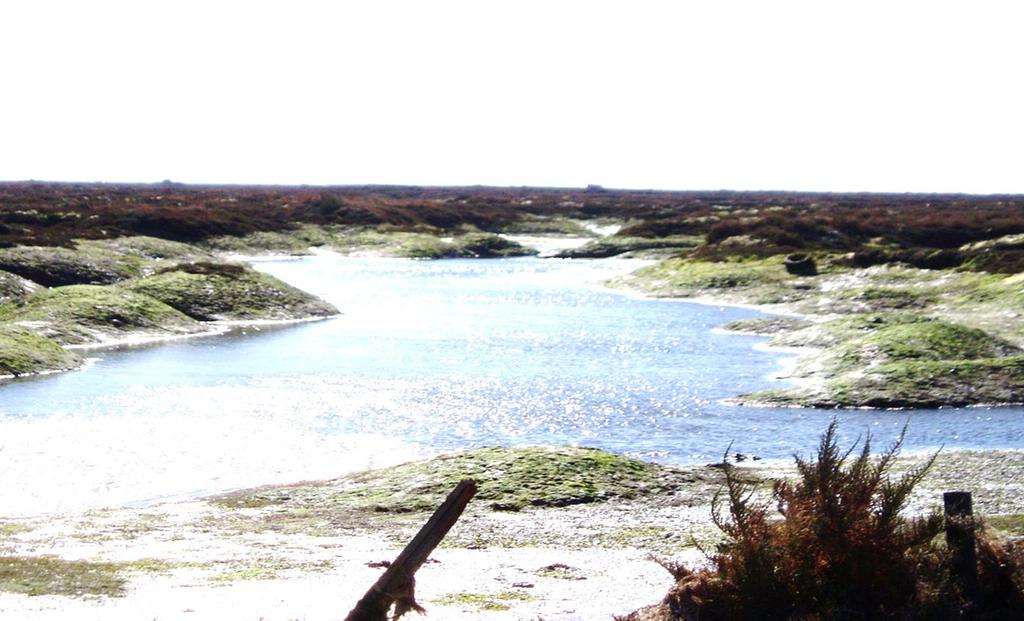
(927, 339)
(57, 266)
(1003, 292)
(688, 277)
(487, 246)
(49, 575)
(898, 360)
(493, 602)
(25, 353)
(875, 298)
(842, 329)
(1011, 525)
(10, 529)
(911, 383)
(509, 479)
(933, 383)
(81, 314)
(209, 291)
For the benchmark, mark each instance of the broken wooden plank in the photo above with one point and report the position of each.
(397, 585)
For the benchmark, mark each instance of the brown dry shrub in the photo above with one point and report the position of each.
(838, 548)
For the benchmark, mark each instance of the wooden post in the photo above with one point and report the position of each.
(963, 562)
(397, 584)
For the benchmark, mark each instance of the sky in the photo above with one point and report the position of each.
(895, 96)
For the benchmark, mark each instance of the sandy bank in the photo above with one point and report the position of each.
(200, 560)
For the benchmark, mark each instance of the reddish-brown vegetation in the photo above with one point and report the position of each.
(838, 548)
(923, 230)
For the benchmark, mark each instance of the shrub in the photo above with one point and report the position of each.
(839, 550)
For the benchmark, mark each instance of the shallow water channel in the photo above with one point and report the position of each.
(427, 356)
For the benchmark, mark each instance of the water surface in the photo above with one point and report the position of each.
(428, 356)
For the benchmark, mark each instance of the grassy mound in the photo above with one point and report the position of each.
(88, 313)
(487, 246)
(932, 383)
(926, 339)
(685, 277)
(902, 361)
(55, 267)
(24, 353)
(618, 245)
(210, 291)
(510, 479)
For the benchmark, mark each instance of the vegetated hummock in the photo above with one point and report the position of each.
(509, 479)
(108, 290)
(836, 546)
(242, 293)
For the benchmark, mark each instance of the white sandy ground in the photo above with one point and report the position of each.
(227, 573)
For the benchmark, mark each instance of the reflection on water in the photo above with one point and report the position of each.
(428, 356)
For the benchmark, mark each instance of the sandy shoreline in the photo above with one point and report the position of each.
(199, 560)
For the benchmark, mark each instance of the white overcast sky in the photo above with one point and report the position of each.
(823, 95)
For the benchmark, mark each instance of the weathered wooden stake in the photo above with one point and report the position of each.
(963, 562)
(397, 584)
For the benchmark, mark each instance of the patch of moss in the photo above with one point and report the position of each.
(912, 384)
(934, 383)
(8, 529)
(268, 569)
(49, 575)
(55, 266)
(1004, 292)
(487, 245)
(86, 313)
(209, 291)
(25, 353)
(684, 277)
(1012, 525)
(484, 601)
(841, 329)
(875, 298)
(510, 479)
(561, 571)
(925, 339)
(255, 572)
(899, 360)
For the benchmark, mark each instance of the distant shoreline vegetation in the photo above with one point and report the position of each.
(905, 300)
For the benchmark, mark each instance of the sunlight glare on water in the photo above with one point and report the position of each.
(427, 357)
